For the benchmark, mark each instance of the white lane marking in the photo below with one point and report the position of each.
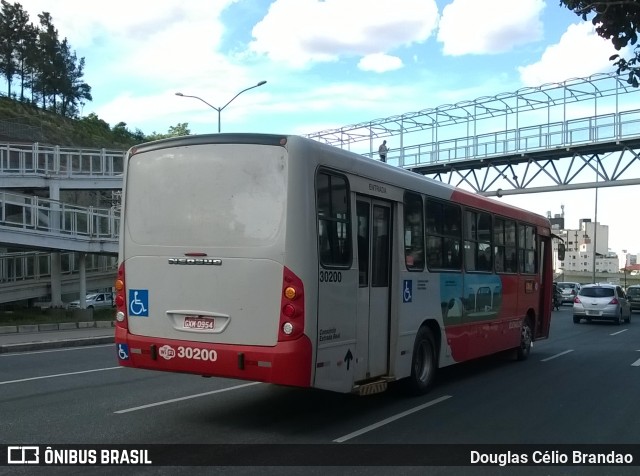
(83, 347)
(557, 355)
(58, 375)
(390, 419)
(173, 400)
(619, 332)
(636, 363)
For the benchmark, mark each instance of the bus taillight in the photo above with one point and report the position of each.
(291, 324)
(121, 301)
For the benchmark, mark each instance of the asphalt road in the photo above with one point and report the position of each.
(578, 387)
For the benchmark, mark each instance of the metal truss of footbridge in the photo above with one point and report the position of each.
(581, 133)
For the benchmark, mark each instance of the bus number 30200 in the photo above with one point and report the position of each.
(330, 277)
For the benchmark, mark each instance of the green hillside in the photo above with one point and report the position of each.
(22, 122)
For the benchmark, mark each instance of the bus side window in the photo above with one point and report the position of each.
(444, 222)
(334, 237)
(413, 232)
(380, 251)
(510, 262)
(499, 262)
(527, 249)
(477, 235)
(362, 210)
(498, 241)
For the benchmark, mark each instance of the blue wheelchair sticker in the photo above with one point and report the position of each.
(139, 302)
(123, 351)
(407, 290)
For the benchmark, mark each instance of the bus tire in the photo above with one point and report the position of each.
(526, 340)
(424, 363)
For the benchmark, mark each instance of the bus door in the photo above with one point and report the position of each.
(374, 265)
(543, 316)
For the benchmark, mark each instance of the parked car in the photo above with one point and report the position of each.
(601, 302)
(633, 296)
(568, 290)
(95, 301)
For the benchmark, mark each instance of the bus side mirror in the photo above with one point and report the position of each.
(561, 251)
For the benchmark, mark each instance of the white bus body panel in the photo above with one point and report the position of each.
(230, 213)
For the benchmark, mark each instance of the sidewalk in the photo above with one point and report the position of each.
(45, 336)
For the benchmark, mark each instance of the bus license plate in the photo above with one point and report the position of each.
(198, 322)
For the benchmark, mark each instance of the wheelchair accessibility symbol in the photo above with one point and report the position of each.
(407, 290)
(139, 302)
(123, 351)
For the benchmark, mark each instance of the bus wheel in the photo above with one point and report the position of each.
(423, 363)
(525, 341)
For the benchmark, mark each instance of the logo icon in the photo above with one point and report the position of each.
(139, 302)
(407, 290)
(167, 352)
(23, 455)
(123, 351)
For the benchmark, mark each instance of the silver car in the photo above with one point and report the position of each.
(633, 295)
(568, 290)
(601, 302)
(95, 301)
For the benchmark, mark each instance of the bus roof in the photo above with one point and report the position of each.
(355, 163)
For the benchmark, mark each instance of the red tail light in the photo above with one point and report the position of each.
(614, 301)
(576, 300)
(291, 324)
(121, 299)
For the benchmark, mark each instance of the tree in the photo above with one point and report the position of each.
(95, 124)
(180, 129)
(70, 87)
(26, 48)
(618, 21)
(8, 43)
(48, 46)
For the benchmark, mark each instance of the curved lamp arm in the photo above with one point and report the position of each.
(219, 109)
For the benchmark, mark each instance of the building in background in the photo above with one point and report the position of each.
(589, 242)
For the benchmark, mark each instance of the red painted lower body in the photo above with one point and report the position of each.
(286, 363)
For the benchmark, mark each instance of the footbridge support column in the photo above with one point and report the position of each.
(56, 280)
(82, 271)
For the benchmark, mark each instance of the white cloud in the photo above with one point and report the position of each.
(380, 63)
(298, 32)
(579, 53)
(489, 26)
(166, 39)
(88, 23)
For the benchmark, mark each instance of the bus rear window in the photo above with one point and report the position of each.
(206, 195)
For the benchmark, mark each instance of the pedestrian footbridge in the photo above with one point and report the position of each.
(33, 217)
(38, 223)
(26, 275)
(581, 133)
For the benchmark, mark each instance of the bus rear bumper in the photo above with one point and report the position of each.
(286, 363)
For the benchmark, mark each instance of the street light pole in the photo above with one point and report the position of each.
(219, 109)
(595, 222)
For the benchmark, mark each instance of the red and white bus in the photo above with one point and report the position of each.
(281, 259)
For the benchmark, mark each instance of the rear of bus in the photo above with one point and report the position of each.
(202, 286)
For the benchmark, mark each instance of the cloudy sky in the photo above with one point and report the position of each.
(327, 63)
